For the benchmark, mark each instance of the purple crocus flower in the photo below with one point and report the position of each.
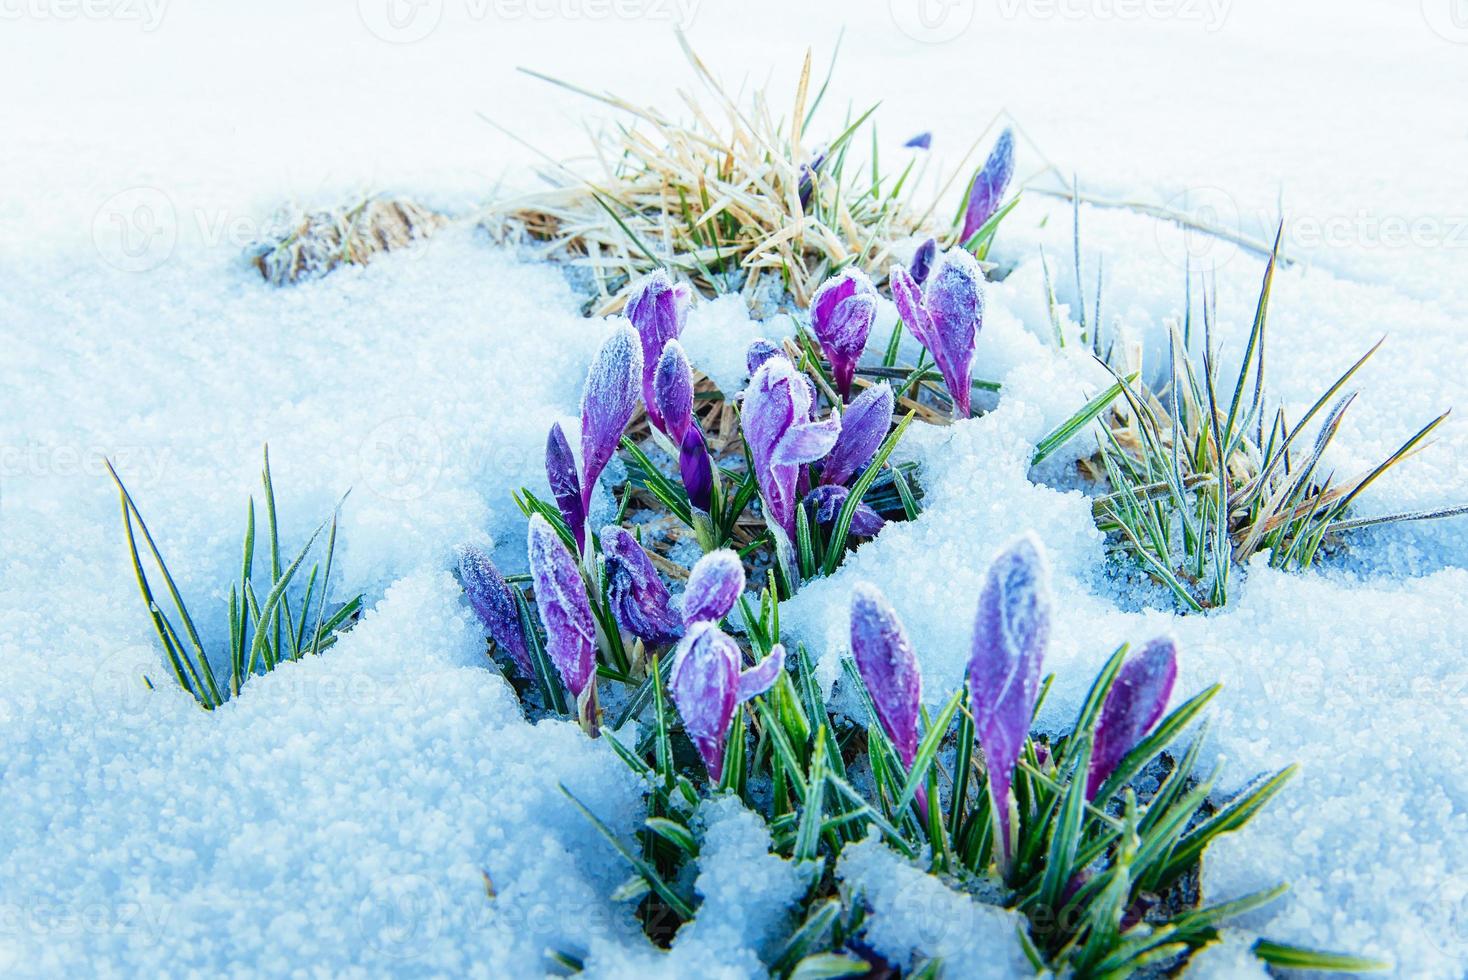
(945, 315)
(864, 425)
(829, 498)
(639, 599)
(696, 468)
(565, 612)
(707, 687)
(922, 141)
(494, 603)
(922, 261)
(714, 585)
(1132, 707)
(673, 391)
(607, 404)
(888, 668)
(989, 185)
(775, 420)
(759, 352)
(808, 173)
(560, 471)
(657, 308)
(1010, 635)
(841, 316)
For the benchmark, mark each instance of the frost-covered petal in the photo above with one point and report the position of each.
(908, 297)
(762, 676)
(864, 425)
(673, 391)
(657, 309)
(1132, 707)
(639, 599)
(607, 403)
(565, 612)
(888, 667)
(696, 468)
(493, 601)
(989, 185)
(953, 299)
(809, 442)
(560, 471)
(714, 585)
(761, 350)
(704, 684)
(1011, 632)
(775, 400)
(841, 316)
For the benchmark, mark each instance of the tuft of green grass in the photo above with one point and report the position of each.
(263, 632)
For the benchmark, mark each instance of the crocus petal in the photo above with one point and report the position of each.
(1132, 707)
(954, 300)
(639, 599)
(888, 667)
(673, 391)
(696, 468)
(989, 185)
(704, 684)
(1010, 636)
(864, 425)
(714, 585)
(828, 500)
(762, 676)
(922, 260)
(565, 612)
(909, 299)
(841, 316)
(775, 400)
(560, 470)
(759, 352)
(922, 141)
(494, 603)
(607, 404)
(808, 443)
(657, 308)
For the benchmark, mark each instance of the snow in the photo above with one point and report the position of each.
(339, 817)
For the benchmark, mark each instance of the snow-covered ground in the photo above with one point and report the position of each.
(340, 817)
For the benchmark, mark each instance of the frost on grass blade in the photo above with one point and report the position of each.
(841, 317)
(714, 585)
(1136, 700)
(888, 667)
(639, 599)
(560, 472)
(1010, 636)
(490, 596)
(946, 314)
(989, 185)
(565, 612)
(657, 308)
(864, 425)
(607, 404)
(673, 391)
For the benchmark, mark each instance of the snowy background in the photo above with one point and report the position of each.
(342, 814)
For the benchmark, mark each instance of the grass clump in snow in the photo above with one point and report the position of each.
(316, 242)
(263, 631)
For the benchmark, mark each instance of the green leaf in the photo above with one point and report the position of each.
(1300, 958)
(928, 751)
(1083, 417)
(665, 891)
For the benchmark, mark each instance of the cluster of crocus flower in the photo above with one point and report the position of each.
(1010, 636)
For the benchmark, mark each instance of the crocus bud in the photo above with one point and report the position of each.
(922, 141)
(888, 668)
(639, 599)
(1132, 707)
(714, 585)
(829, 498)
(707, 686)
(841, 317)
(777, 405)
(697, 469)
(922, 261)
(864, 425)
(607, 403)
(945, 315)
(493, 601)
(673, 391)
(1010, 636)
(808, 172)
(560, 471)
(989, 184)
(759, 352)
(657, 308)
(565, 612)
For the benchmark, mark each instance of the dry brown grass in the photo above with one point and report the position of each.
(317, 242)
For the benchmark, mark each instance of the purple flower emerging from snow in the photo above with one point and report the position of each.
(565, 612)
(1010, 635)
(946, 315)
(989, 185)
(607, 404)
(696, 468)
(657, 308)
(922, 141)
(714, 585)
(1132, 707)
(922, 261)
(707, 687)
(494, 602)
(864, 425)
(808, 173)
(673, 391)
(775, 419)
(888, 668)
(560, 470)
(829, 498)
(638, 597)
(759, 352)
(841, 315)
